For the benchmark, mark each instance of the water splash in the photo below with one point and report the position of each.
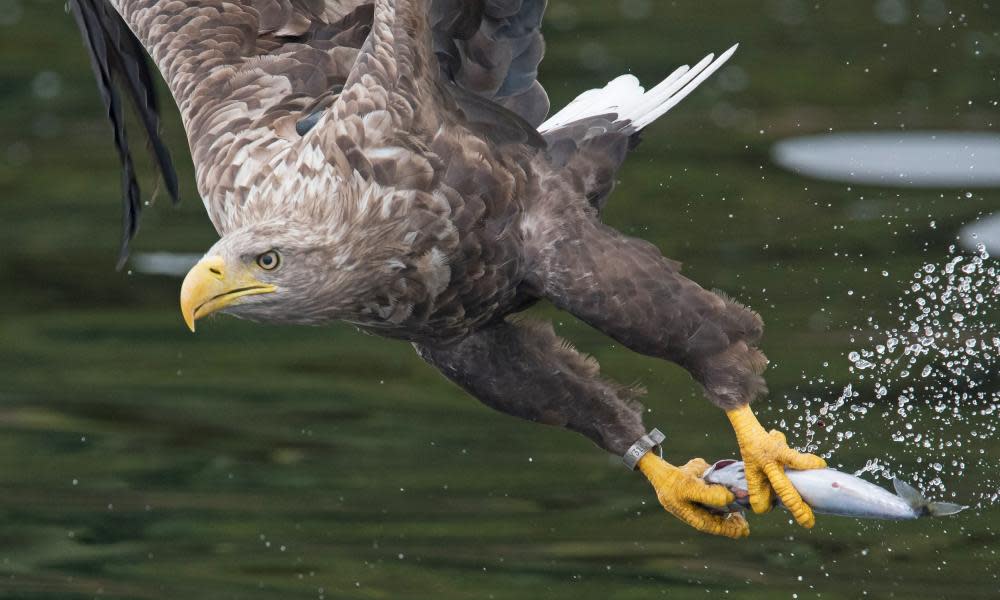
(930, 381)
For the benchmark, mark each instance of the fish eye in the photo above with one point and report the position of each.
(269, 260)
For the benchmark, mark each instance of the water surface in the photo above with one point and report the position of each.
(140, 461)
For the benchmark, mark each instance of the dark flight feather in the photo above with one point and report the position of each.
(118, 58)
(492, 48)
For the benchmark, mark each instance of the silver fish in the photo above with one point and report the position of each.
(831, 492)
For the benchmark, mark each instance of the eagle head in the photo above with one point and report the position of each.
(278, 271)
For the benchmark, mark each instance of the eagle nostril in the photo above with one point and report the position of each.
(215, 271)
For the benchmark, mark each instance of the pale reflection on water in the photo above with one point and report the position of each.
(164, 263)
(985, 231)
(945, 159)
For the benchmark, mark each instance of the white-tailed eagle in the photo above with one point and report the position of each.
(391, 164)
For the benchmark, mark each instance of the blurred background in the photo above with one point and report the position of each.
(140, 461)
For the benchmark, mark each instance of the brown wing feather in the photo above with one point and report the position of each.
(242, 74)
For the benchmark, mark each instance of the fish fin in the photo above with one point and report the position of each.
(909, 493)
(921, 505)
(943, 509)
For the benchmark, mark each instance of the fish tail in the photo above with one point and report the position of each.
(943, 509)
(921, 505)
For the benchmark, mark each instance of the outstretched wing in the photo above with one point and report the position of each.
(242, 73)
(252, 76)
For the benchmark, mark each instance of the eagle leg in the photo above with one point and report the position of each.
(624, 287)
(684, 494)
(524, 369)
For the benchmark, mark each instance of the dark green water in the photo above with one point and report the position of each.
(140, 461)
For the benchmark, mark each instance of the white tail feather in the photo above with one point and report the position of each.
(628, 100)
(620, 91)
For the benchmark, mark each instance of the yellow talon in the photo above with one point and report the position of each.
(684, 494)
(765, 456)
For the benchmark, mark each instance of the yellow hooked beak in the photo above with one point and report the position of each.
(209, 287)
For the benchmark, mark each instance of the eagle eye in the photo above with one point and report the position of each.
(269, 260)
